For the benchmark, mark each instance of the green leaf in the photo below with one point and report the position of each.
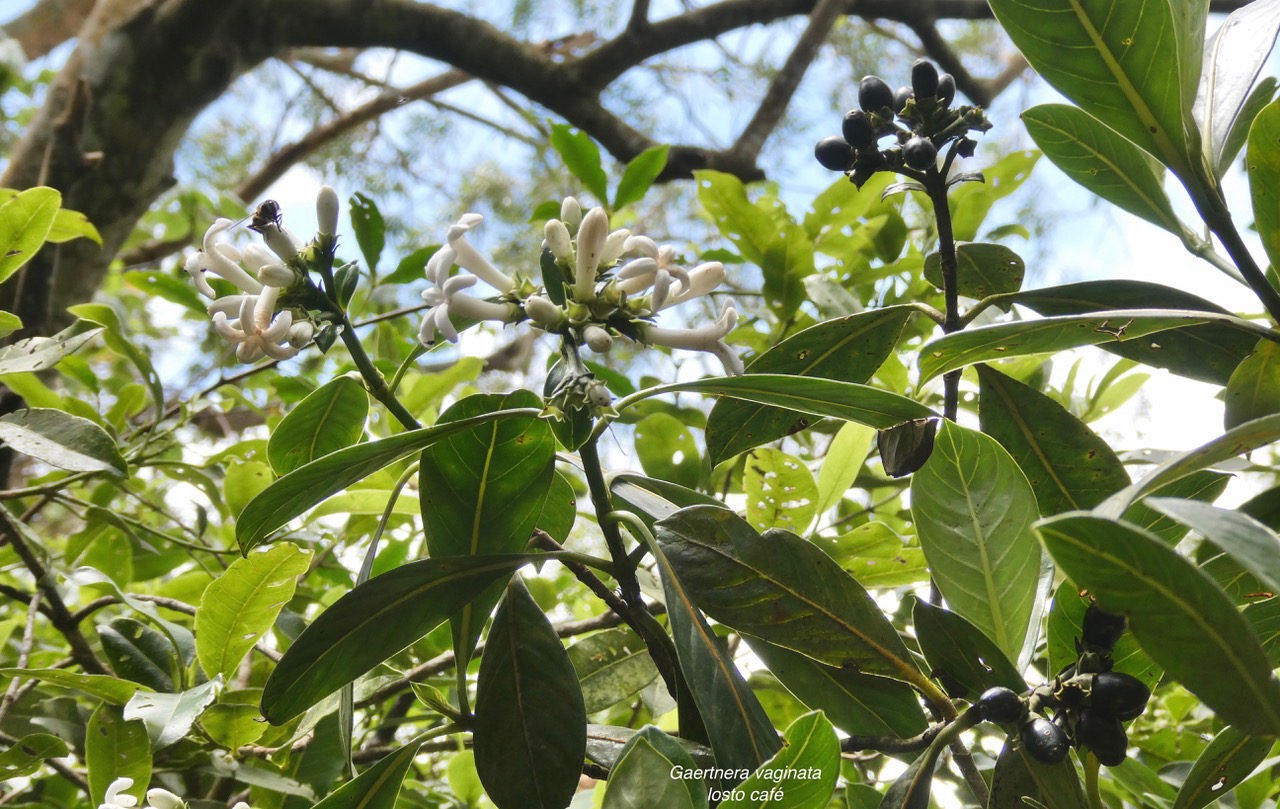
(371, 230)
(62, 440)
(820, 397)
(652, 500)
(9, 323)
(1254, 388)
(179, 636)
(1208, 353)
(1093, 155)
(802, 775)
(139, 653)
(912, 789)
(787, 261)
(876, 556)
(25, 221)
(530, 727)
(667, 450)
(740, 732)
(69, 224)
(1127, 64)
(783, 589)
(973, 509)
(314, 482)
(845, 456)
(115, 748)
(560, 512)
(605, 744)
(1068, 465)
(482, 491)
(966, 661)
(612, 665)
(1229, 759)
(29, 753)
(1018, 775)
(105, 687)
(1065, 628)
(748, 226)
(114, 336)
(168, 717)
(1247, 437)
(233, 724)
(377, 787)
(244, 480)
(39, 353)
(1263, 161)
(981, 269)
(849, 349)
(971, 202)
(413, 266)
(1175, 611)
(857, 703)
(1254, 546)
(1259, 97)
(1051, 334)
(640, 173)
(1233, 58)
(328, 420)
(238, 607)
(1205, 486)
(642, 777)
(365, 501)
(582, 157)
(374, 621)
(780, 491)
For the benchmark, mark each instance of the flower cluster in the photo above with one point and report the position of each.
(117, 798)
(587, 296)
(256, 320)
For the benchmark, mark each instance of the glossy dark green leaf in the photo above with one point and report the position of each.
(1175, 611)
(25, 220)
(651, 499)
(639, 175)
(642, 777)
(1130, 65)
(973, 511)
(667, 450)
(1229, 759)
(39, 353)
(783, 589)
(179, 635)
(1021, 337)
(28, 755)
(1018, 775)
(62, 440)
(739, 730)
(582, 157)
(959, 655)
(981, 269)
(482, 491)
(1251, 544)
(530, 728)
(114, 748)
(1233, 58)
(1208, 353)
(560, 511)
(105, 687)
(139, 653)
(605, 744)
(1247, 437)
(913, 788)
(1098, 158)
(1263, 162)
(1254, 388)
(1067, 464)
(373, 622)
(377, 787)
(857, 703)
(1204, 486)
(802, 775)
(328, 420)
(612, 665)
(168, 717)
(312, 483)
(371, 230)
(849, 349)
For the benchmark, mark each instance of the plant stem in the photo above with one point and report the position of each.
(936, 188)
(602, 503)
(1091, 766)
(1213, 210)
(373, 378)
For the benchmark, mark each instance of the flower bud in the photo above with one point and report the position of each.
(280, 241)
(164, 799)
(559, 241)
(597, 339)
(598, 394)
(327, 210)
(614, 247)
(278, 275)
(570, 212)
(591, 238)
(543, 312)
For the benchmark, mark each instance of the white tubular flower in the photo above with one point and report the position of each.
(241, 805)
(570, 212)
(327, 210)
(221, 259)
(543, 311)
(469, 258)
(164, 799)
(704, 338)
(278, 275)
(700, 280)
(592, 234)
(255, 331)
(614, 247)
(447, 299)
(113, 799)
(439, 264)
(281, 241)
(559, 240)
(597, 339)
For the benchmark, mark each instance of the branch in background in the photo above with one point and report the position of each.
(935, 46)
(47, 24)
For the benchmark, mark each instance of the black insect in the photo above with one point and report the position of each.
(266, 213)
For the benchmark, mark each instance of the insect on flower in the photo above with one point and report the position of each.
(266, 213)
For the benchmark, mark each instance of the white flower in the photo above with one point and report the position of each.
(467, 257)
(570, 212)
(327, 210)
(221, 259)
(114, 799)
(597, 339)
(255, 330)
(543, 311)
(704, 338)
(559, 240)
(699, 281)
(241, 805)
(164, 799)
(592, 234)
(282, 242)
(447, 299)
(657, 269)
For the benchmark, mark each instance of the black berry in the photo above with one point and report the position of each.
(834, 153)
(901, 98)
(1119, 695)
(1104, 735)
(1102, 629)
(924, 78)
(874, 95)
(920, 153)
(858, 129)
(1001, 705)
(946, 90)
(1044, 740)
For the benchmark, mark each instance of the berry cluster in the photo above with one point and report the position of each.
(1089, 701)
(919, 117)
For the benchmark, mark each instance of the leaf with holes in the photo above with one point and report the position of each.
(981, 269)
(1229, 759)
(780, 491)
(1254, 388)
(804, 771)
